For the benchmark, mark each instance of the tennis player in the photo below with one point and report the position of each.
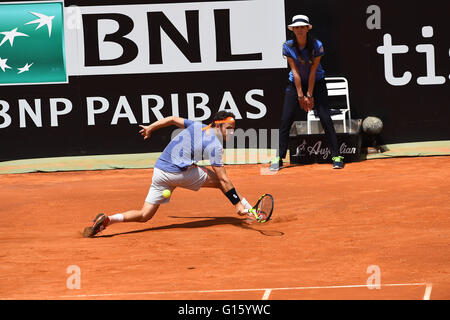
(176, 167)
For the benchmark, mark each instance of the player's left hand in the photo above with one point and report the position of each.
(145, 131)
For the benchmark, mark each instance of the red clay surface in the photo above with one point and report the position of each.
(328, 227)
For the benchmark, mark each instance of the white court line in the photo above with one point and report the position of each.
(266, 294)
(218, 291)
(428, 291)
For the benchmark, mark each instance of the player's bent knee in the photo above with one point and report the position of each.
(148, 211)
(145, 217)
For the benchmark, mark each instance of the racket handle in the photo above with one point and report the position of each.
(246, 205)
(252, 212)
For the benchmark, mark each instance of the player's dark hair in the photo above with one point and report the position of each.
(222, 115)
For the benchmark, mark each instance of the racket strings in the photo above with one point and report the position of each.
(264, 207)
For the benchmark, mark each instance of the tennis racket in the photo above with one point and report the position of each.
(263, 208)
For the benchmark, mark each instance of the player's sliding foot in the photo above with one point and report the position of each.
(338, 162)
(100, 223)
(276, 164)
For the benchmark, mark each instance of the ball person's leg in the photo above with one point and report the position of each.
(323, 110)
(290, 108)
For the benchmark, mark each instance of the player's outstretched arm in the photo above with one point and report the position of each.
(228, 189)
(169, 121)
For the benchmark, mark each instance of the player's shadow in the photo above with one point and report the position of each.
(205, 223)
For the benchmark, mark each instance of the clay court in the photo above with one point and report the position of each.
(328, 227)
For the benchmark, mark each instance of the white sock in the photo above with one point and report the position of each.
(115, 218)
(246, 204)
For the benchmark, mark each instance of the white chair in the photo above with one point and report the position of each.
(336, 86)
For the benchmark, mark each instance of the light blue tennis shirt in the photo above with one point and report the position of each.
(190, 146)
(290, 51)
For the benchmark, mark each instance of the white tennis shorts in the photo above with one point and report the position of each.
(193, 179)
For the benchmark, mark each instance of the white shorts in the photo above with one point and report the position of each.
(193, 179)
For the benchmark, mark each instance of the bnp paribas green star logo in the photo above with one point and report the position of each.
(32, 43)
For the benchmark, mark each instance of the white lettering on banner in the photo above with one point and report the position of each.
(192, 105)
(428, 49)
(346, 149)
(151, 108)
(373, 22)
(175, 107)
(3, 113)
(91, 111)
(54, 112)
(388, 50)
(35, 114)
(254, 103)
(228, 100)
(123, 105)
(317, 149)
(145, 107)
(180, 37)
(300, 149)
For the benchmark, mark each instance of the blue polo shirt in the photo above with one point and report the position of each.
(190, 146)
(290, 51)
